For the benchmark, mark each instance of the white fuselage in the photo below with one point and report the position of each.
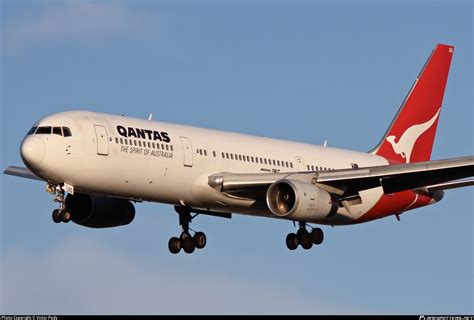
(101, 157)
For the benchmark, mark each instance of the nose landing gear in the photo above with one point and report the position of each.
(61, 214)
(186, 241)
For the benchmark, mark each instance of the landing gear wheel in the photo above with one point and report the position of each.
(317, 236)
(188, 244)
(57, 216)
(66, 216)
(200, 240)
(304, 238)
(292, 241)
(174, 245)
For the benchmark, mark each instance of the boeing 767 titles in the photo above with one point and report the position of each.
(97, 165)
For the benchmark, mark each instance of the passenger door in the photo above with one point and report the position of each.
(188, 151)
(102, 140)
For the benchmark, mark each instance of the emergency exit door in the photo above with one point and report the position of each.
(299, 164)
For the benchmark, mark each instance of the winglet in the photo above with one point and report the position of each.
(411, 135)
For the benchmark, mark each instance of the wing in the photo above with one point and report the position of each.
(346, 183)
(21, 172)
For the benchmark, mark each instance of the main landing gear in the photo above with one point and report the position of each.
(304, 238)
(61, 214)
(185, 241)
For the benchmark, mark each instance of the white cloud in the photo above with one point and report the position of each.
(73, 19)
(81, 277)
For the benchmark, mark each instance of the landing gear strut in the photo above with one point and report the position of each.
(185, 241)
(61, 214)
(304, 238)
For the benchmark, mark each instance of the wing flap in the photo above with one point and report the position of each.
(449, 185)
(399, 177)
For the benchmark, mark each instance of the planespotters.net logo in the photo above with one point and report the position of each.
(446, 318)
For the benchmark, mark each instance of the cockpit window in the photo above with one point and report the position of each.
(32, 130)
(57, 130)
(43, 130)
(67, 132)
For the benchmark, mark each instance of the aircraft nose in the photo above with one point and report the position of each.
(32, 150)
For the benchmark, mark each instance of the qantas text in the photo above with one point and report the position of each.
(143, 134)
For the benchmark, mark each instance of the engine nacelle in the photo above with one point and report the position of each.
(99, 212)
(299, 201)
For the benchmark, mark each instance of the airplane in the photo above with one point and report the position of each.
(98, 165)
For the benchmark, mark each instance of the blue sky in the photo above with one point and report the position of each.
(300, 70)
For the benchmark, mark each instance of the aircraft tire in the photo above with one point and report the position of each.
(291, 241)
(174, 245)
(304, 239)
(317, 236)
(200, 240)
(66, 216)
(56, 216)
(188, 244)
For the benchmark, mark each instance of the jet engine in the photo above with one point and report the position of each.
(99, 212)
(300, 201)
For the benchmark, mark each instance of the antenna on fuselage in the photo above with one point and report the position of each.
(150, 116)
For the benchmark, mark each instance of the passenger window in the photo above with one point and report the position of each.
(44, 130)
(291, 165)
(135, 142)
(57, 130)
(171, 147)
(162, 147)
(167, 147)
(66, 132)
(32, 130)
(232, 156)
(214, 153)
(251, 159)
(278, 162)
(205, 152)
(240, 157)
(265, 161)
(223, 155)
(248, 159)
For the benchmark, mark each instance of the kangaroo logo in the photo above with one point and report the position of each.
(405, 144)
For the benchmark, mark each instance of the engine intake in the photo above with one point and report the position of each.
(99, 212)
(300, 201)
